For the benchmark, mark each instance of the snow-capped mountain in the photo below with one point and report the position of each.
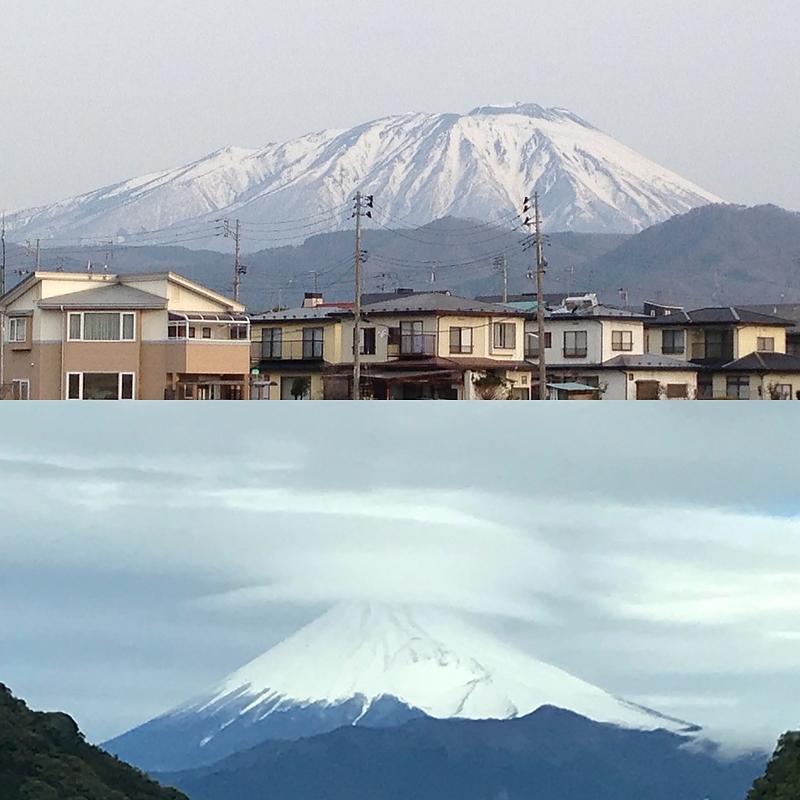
(371, 665)
(419, 167)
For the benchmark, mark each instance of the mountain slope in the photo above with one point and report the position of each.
(44, 757)
(420, 167)
(716, 255)
(369, 664)
(549, 755)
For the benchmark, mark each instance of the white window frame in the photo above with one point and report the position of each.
(82, 315)
(17, 386)
(119, 375)
(14, 323)
(765, 344)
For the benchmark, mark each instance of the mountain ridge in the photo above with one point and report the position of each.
(420, 167)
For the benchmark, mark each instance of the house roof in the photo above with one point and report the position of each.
(764, 362)
(110, 295)
(573, 387)
(787, 311)
(648, 361)
(721, 315)
(594, 312)
(433, 302)
(297, 314)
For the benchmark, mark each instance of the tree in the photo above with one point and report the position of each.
(301, 387)
(781, 781)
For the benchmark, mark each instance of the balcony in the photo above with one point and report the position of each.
(417, 345)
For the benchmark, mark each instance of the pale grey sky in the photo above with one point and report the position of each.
(147, 551)
(94, 91)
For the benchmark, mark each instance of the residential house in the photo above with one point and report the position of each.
(433, 346)
(292, 347)
(109, 337)
(592, 344)
(719, 341)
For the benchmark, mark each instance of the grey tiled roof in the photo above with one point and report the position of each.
(434, 301)
(764, 362)
(729, 315)
(648, 361)
(111, 295)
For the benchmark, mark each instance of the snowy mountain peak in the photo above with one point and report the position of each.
(419, 166)
(373, 665)
(424, 658)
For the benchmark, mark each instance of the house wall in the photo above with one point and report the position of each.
(293, 338)
(621, 384)
(655, 344)
(759, 384)
(554, 356)
(746, 338)
(609, 326)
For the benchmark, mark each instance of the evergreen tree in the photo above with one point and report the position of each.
(45, 757)
(781, 781)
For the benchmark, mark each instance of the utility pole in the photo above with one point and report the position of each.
(38, 254)
(540, 269)
(361, 202)
(501, 265)
(238, 269)
(3, 256)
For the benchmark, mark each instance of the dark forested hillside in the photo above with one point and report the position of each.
(43, 756)
(781, 781)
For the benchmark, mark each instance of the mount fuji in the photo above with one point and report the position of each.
(419, 167)
(370, 665)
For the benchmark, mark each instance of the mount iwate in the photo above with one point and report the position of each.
(420, 167)
(374, 666)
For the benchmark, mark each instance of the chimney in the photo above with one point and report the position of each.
(312, 299)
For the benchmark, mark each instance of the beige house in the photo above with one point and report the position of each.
(740, 353)
(109, 337)
(434, 346)
(291, 349)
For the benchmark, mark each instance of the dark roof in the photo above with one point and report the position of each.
(718, 315)
(525, 297)
(648, 361)
(787, 311)
(595, 312)
(112, 295)
(764, 362)
(299, 314)
(434, 302)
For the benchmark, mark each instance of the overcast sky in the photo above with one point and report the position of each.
(147, 551)
(94, 92)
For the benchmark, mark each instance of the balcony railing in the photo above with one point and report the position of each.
(414, 345)
(309, 350)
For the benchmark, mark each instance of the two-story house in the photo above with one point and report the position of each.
(591, 344)
(122, 337)
(741, 353)
(292, 347)
(433, 346)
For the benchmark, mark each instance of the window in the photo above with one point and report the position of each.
(738, 387)
(532, 343)
(460, 340)
(17, 329)
(677, 391)
(177, 330)
(548, 340)
(719, 345)
(192, 332)
(312, 342)
(206, 333)
(412, 340)
(21, 389)
(575, 344)
(672, 342)
(238, 331)
(272, 343)
(505, 335)
(622, 340)
(393, 339)
(765, 344)
(367, 341)
(705, 386)
(100, 386)
(102, 326)
(780, 391)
